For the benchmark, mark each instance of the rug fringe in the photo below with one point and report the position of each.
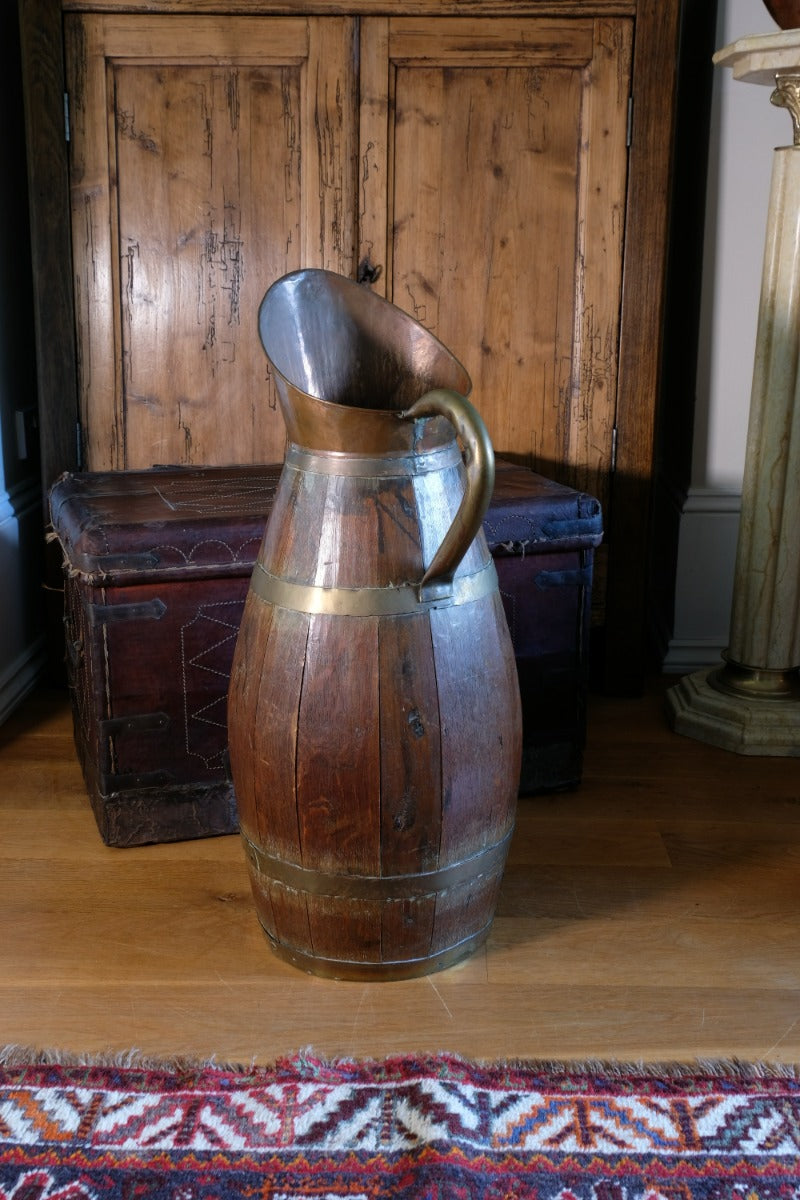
(722, 1068)
(14, 1055)
(308, 1062)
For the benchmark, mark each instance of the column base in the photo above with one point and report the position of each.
(737, 723)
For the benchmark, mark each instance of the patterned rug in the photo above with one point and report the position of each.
(413, 1128)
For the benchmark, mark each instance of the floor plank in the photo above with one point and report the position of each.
(652, 913)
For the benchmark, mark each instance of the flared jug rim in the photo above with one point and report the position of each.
(335, 341)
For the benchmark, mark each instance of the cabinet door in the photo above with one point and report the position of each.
(493, 195)
(208, 156)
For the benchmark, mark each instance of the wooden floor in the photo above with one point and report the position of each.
(654, 913)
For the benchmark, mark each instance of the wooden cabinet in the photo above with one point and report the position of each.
(208, 157)
(494, 168)
(474, 161)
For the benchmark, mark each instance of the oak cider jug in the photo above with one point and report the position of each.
(373, 710)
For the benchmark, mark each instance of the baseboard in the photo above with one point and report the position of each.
(21, 676)
(23, 649)
(19, 499)
(709, 530)
(683, 658)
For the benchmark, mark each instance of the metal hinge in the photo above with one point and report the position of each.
(629, 130)
(66, 116)
(614, 449)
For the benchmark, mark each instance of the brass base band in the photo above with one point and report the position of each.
(376, 887)
(756, 683)
(371, 601)
(364, 972)
(363, 466)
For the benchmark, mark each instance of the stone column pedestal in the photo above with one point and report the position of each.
(751, 703)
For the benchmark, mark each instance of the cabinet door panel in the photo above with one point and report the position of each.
(504, 212)
(208, 158)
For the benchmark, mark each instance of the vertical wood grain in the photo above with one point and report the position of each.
(275, 731)
(509, 173)
(291, 548)
(98, 350)
(246, 673)
(211, 148)
(338, 747)
(374, 151)
(407, 928)
(369, 535)
(601, 187)
(479, 718)
(339, 780)
(464, 907)
(264, 700)
(330, 128)
(284, 914)
(411, 750)
(210, 156)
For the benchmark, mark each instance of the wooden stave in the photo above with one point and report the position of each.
(288, 735)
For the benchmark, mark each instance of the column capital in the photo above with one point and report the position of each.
(787, 95)
(758, 59)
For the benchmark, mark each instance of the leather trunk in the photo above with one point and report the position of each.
(157, 565)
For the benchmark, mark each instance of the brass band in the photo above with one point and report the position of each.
(756, 683)
(368, 602)
(377, 887)
(365, 971)
(362, 466)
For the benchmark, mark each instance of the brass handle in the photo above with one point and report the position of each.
(437, 582)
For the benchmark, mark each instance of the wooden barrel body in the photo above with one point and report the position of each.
(374, 727)
(375, 755)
